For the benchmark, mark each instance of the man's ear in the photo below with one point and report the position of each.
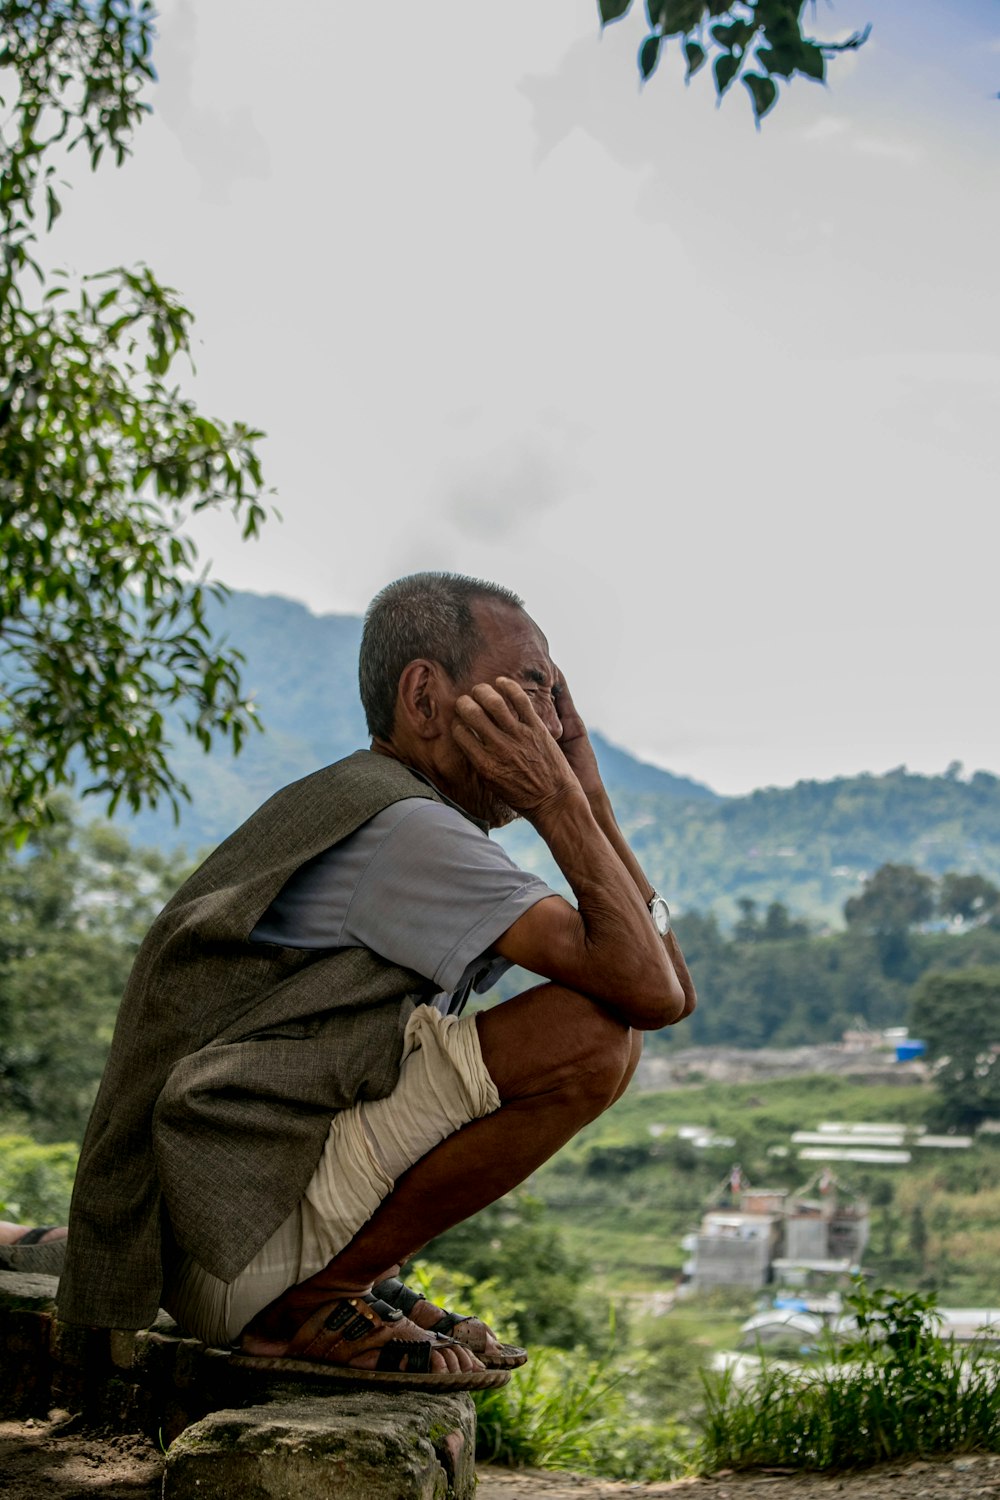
(419, 698)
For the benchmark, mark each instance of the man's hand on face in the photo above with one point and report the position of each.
(508, 745)
(575, 741)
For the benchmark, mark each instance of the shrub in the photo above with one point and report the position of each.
(565, 1411)
(897, 1389)
(36, 1181)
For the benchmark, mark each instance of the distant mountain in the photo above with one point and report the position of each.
(302, 668)
(623, 773)
(809, 845)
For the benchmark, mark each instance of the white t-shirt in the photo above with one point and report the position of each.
(420, 885)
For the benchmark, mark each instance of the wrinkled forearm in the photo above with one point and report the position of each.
(622, 960)
(604, 816)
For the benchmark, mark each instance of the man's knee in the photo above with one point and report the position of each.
(552, 1040)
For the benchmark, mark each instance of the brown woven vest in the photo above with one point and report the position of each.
(229, 1058)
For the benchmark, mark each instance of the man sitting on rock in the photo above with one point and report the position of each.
(294, 1104)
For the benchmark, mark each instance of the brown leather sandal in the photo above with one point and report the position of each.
(464, 1328)
(354, 1320)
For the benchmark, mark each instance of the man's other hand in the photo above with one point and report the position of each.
(509, 746)
(575, 741)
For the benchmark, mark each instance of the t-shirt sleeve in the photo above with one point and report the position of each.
(419, 884)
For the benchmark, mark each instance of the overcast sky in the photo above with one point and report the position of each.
(723, 406)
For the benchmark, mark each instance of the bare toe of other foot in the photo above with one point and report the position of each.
(362, 1333)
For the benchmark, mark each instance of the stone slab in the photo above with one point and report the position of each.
(24, 1291)
(26, 1308)
(353, 1446)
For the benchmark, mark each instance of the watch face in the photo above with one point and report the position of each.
(660, 913)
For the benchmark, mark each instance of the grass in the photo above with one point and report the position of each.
(898, 1390)
(629, 1255)
(776, 1107)
(566, 1412)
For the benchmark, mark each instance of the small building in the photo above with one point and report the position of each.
(766, 1230)
(735, 1249)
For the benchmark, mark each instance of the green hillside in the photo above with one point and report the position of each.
(807, 846)
(302, 670)
(628, 1187)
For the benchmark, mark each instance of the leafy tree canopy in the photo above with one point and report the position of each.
(969, 898)
(102, 615)
(74, 904)
(958, 1015)
(757, 42)
(896, 898)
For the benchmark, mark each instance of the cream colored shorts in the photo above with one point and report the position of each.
(443, 1085)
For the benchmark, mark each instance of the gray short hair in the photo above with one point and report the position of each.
(425, 615)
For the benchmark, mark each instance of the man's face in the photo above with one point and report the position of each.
(513, 646)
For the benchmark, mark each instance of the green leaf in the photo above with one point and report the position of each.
(726, 68)
(696, 56)
(812, 62)
(735, 34)
(781, 61)
(763, 92)
(678, 17)
(613, 10)
(649, 55)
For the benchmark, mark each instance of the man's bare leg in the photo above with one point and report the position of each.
(558, 1061)
(426, 1313)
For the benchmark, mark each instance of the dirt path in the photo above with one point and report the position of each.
(967, 1478)
(41, 1460)
(63, 1463)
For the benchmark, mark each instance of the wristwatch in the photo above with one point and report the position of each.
(660, 913)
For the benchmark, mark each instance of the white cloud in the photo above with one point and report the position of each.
(889, 150)
(826, 128)
(721, 405)
(223, 145)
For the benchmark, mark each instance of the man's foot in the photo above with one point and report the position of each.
(360, 1338)
(468, 1331)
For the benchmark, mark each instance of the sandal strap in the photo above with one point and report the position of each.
(417, 1356)
(398, 1294)
(33, 1236)
(449, 1320)
(348, 1320)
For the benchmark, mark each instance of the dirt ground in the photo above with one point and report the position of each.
(41, 1459)
(61, 1462)
(971, 1477)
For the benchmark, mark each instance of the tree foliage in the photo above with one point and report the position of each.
(756, 42)
(73, 907)
(894, 900)
(968, 898)
(102, 615)
(958, 1015)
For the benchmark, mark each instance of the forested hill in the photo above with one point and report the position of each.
(807, 845)
(303, 669)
